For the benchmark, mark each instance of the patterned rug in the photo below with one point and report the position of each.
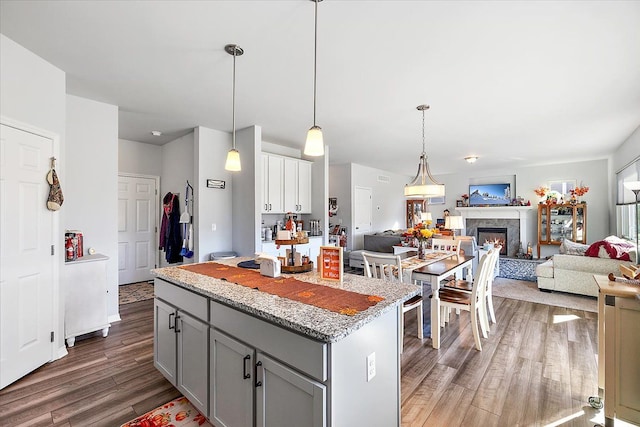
(135, 292)
(179, 413)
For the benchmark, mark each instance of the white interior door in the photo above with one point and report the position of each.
(137, 226)
(27, 264)
(362, 210)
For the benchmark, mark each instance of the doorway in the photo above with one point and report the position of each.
(137, 227)
(29, 256)
(363, 211)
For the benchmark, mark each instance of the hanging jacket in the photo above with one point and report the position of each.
(170, 229)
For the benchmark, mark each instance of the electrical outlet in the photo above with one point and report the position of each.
(213, 227)
(371, 366)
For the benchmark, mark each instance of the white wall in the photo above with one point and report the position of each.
(246, 193)
(387, 197)
(213, 205)
(32, 91)
(340, 188)
(593, 174)
(139, 158)
(91, 187)
(177, 168)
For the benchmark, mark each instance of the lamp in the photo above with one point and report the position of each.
(315, 143)
(471, 159)
(233, 156)
(635, 187)
(426, 216)
(453, 222)
(423, 185)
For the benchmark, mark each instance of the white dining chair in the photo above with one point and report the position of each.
(389, 268)
(446, 245)
(466, 286)
(473, 301)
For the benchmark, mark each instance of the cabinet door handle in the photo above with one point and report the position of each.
(245, 374)
(269, 206)
(266, 206)
(258, 383)
(174, 322)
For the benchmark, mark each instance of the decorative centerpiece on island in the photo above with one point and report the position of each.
(420, 234)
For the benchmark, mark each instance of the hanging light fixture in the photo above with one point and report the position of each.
(423, 185)
(315, 143)
(233, 156)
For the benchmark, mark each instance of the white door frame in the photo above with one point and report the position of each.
(156, 178)
(58, 347)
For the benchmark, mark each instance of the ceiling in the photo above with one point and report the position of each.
(516, 83)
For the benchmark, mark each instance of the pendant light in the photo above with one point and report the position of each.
(423, 185)
(233, 156)
(315, 143)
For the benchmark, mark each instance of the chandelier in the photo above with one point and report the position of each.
(423, 185)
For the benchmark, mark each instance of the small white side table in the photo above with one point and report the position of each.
(85, 282)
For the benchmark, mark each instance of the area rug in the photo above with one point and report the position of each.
(135, 292)
(528, 291)
(179, 413)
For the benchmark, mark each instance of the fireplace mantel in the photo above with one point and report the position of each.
(522, 213)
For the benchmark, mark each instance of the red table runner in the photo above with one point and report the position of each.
(332, 299)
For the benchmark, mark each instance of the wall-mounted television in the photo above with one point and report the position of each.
(490, 195)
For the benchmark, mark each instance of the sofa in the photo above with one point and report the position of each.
(572, 271)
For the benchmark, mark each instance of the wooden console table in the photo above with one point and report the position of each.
(618, 349)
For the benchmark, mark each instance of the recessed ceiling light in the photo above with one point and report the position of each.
(156, 133)
(471, 159)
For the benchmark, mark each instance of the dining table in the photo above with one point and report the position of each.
(434, 273)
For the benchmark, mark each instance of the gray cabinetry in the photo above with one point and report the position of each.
(285, 398)
(181, 341)
(232, 381)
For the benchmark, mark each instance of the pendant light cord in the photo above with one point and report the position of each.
(424, 151)
(233, 97)
(315, 60)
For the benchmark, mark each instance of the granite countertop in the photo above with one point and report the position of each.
(311, 321)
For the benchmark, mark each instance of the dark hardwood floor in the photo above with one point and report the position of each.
(538, 367)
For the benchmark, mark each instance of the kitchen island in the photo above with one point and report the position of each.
(245, 357)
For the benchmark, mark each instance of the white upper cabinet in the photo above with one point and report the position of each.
(272, 184)
(297, 186)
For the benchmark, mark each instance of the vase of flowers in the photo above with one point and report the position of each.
(578, 192)
(420, 233)
(542, 192)
(465, 200)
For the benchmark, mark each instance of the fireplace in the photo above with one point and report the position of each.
(492, 234)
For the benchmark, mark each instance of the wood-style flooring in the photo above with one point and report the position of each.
(538, 367)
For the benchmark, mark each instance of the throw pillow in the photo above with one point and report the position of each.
(572, 248)
(611, 247)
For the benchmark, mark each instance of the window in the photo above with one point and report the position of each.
(627, 212)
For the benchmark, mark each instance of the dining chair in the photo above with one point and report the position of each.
(389, 268)
(466, 286)
(447, 245)
(473, 301)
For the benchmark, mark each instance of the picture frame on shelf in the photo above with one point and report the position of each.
(459, 204)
